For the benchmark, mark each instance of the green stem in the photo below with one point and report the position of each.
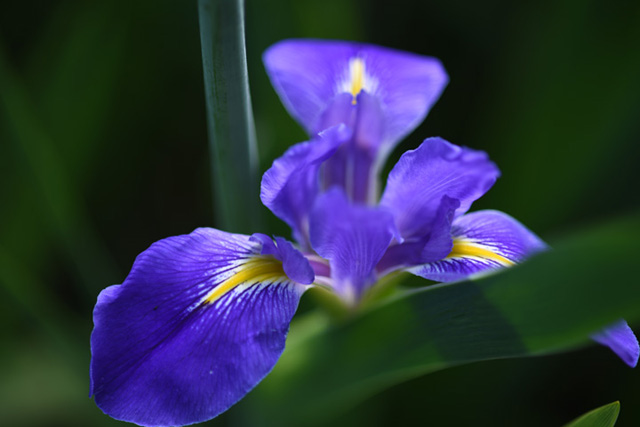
(232, 137)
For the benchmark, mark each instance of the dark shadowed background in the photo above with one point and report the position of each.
(103, 151)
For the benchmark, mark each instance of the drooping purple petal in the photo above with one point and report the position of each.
(482, 241)
(290, 186)
(352, 237)
(422, 177)
(197, 323)
(309, 74)
(620, 338)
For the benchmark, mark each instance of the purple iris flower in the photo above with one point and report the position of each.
(202, 318)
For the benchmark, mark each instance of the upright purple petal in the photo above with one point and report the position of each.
(366, 118)
(422, 177)
(353, 238)
(482, 241)
(340, 110)
(309, 74)
(197, 323)
(620, 338)
(434, 246)
(354, 165)
(290, 186)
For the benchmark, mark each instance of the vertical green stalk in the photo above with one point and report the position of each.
(232, 137)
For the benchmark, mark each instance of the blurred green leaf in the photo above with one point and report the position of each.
(61, 206)
(565, 104)
(551, 303)
(75, 69)
(38, 300)
(234, 156)
(54, 113)
(40, 387)
(604, 416)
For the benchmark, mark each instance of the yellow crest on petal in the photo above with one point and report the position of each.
(465, 248)
(357, 79)
(258, 269)
(356, 71)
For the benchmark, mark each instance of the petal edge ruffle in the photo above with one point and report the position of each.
(422, 177)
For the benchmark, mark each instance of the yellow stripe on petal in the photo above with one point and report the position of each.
(257, 269)
(463, 248)
(356, 71)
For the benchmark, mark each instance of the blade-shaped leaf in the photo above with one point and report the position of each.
(73, 108)
(232, 137)
(604, 416)
(61, 204)
(551, 303)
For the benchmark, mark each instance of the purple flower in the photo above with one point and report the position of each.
(202, 318)
(380, 94)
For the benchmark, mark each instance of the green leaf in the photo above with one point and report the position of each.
(604, 416)
(60, 203)
(73, 75)
(552, 302)
(230, 120)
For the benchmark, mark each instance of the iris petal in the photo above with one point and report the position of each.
(434, 246)
(489, 240)
(309, 74)
(620, 338)
(199, 321)
(354, 166)
(290, 186)
(294, 264)
(353, 238)
(482, 241)
(422, 177)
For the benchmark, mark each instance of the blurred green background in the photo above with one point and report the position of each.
(103, 151)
